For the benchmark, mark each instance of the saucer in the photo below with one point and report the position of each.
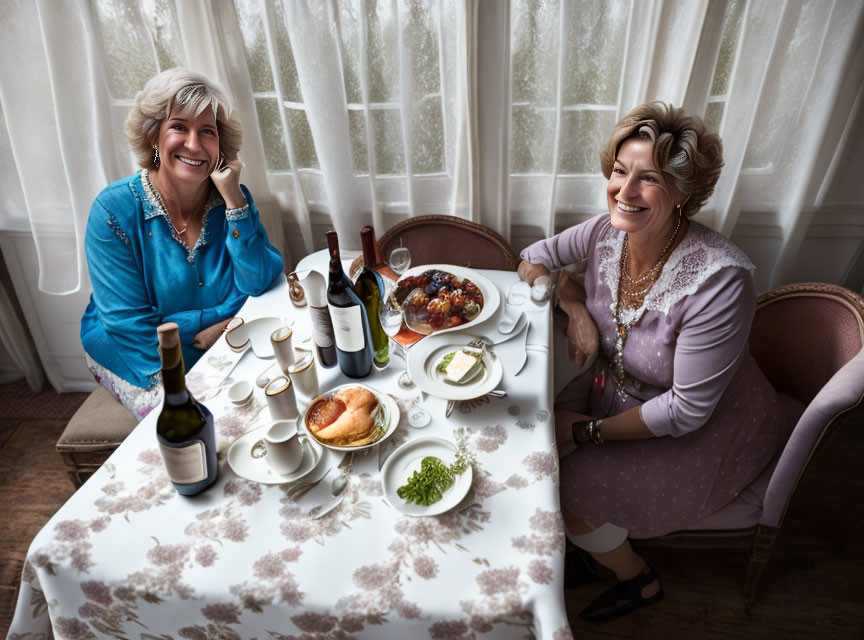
(247, 458)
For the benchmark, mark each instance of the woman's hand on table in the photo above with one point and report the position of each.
(206, 338)
(530, 272)
(583, 337)
(226, 179)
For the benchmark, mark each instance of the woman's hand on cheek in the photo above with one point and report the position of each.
(530, 272)
(227, 181)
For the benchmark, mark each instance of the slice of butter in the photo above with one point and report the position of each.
(459, 366)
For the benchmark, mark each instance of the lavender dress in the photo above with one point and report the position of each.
(689, 370)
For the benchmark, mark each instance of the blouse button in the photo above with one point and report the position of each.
(200, 284)
(236, 233)
(150, 234)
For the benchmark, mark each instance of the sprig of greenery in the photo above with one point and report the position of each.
(427, 486)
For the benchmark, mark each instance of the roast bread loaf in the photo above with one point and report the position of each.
(357, 420)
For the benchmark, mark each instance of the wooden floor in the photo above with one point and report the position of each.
(813, 586)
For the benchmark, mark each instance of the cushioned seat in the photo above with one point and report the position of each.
(96, 429)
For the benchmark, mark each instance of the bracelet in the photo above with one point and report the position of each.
(592, 428)
(237, 214)
(594, 431)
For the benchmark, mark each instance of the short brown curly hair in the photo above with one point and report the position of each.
(683, 150)
(179, 88)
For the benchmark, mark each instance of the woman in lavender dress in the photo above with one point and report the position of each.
(683, 418)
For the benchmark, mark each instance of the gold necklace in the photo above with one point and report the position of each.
(154, 191)
(623, 327)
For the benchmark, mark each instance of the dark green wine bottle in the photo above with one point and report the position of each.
(370, 287)
(184, 428)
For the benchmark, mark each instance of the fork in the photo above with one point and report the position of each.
(481, 342)
(297, 491)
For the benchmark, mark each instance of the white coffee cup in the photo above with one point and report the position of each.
(280, 398)
(283, 347)
(284, 449)
(304, 376)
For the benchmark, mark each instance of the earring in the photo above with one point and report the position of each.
(156, 156)
(679, 209)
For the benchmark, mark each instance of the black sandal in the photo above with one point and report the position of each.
(623, 597)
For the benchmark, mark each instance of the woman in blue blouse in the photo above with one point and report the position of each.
(180, 241)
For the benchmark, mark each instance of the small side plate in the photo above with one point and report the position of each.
(402, 464)
(425, 356)
(247, 458)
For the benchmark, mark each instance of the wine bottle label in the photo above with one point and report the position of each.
(322, 329)
(348, 327)
(185, 465)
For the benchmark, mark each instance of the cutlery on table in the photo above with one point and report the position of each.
(264, 378)
(523, 351)
(296, 491)
(341, 481)
(509, 320)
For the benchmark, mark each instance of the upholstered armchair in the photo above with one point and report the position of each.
(808, 340)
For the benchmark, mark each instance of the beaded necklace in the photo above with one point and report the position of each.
(634, 296)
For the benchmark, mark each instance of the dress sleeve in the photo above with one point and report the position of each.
(256, 262)
(713, 336)
(119, 293)
(569, 246)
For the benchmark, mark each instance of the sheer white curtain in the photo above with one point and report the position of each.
(370, 111)
(778, 81)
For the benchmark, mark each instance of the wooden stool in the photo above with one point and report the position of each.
(96, 429)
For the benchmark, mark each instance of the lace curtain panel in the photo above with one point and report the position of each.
(370, 111)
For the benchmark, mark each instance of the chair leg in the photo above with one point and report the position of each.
(760, 550)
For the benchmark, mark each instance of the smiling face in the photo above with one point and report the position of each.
(188, 146)
(641, 201)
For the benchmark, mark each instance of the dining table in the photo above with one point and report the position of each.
(128, 557)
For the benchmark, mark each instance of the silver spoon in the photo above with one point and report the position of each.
(340, 482)
(262, 380)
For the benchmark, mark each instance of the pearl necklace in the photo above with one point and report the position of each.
(618, 372)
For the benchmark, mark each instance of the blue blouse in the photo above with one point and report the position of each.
(143, 275)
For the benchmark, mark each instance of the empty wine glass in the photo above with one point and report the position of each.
(391, 318)
(400, 260)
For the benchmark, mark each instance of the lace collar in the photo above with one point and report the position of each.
(701, 254)
(154, 207)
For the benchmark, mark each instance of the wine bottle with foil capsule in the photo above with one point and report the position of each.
(370, 287)
(184, 428)
(349, 317)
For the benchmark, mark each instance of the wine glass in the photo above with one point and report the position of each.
(391, 318)
(400, 260)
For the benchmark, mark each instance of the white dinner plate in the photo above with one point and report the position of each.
(402, 464)
(247, 457)
(491, 295)
(424, 357)
(388, 417)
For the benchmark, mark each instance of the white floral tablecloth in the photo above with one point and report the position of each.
(127, 557)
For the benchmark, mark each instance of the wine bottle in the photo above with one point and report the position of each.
(370, 287)
(322, 336)
(184, 428)
(350, 321)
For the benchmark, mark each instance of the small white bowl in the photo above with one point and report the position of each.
(240, 392)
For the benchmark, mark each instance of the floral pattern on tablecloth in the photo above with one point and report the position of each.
(242, 560)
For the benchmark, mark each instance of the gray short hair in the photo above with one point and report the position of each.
(190, 91)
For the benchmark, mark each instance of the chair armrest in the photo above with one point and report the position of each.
(842, 393)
